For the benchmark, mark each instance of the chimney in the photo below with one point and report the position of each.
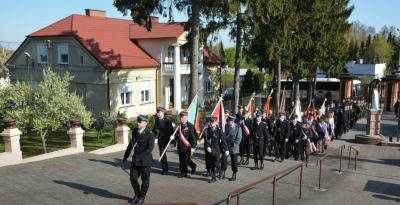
(154, 19)
(95, 13)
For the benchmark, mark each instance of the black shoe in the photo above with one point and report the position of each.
(221, 175)
(296, 159)
(208, 174)
(306, 159)
(140, 201)
(213, 178)
(133, 200)
(282, 160)
(194, 169)
(233, 176)
(241, 161)
(182, 175)
(247, 162)
(255, 166)
(276, 159)
(261, 166)
(164, 173)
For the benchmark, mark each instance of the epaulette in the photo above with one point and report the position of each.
(263, 122)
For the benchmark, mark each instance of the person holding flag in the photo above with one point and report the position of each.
(234, 137)
(281, 135)
(239, 115)
(162, 128)
(216, 141)
(259, 131)
(186, 139)
(244, 146)
(305, 145)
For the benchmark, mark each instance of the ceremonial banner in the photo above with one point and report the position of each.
(193, 115)
(219, 112)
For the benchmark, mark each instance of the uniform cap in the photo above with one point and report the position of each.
(160, 109)
(263, 111)
(231, 118)
(183, 113)
(240, 106)
(141, 118)
(258, 114)
(294, 117)
(226, 110)
(281, 114)
(213, 119)
(245, 111)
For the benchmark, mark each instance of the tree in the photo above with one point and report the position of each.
(141, 11)
(226, 75)
(380, 50)
(258, 79)
(47, 107)
(248, 82)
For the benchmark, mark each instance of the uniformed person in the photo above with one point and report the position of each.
(239, 115)
(186, 139)
(142, 142)
(245, 144)
(259, 132)
(306, 136)
(294, 139)
(233, 135)
(163, 129)
(216, 140)
(267, 142)
(281, 136)
(208, 156)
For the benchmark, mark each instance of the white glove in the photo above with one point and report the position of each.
(171, 145)
(192, 150)
(209, 149)
(172, 137)
(226, 153)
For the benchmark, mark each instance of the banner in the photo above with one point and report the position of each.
(193, 115)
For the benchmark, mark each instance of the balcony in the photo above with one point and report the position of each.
(168, 68)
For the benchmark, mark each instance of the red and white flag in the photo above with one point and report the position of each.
(219, 112)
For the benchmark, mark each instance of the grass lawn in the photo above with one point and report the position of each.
(31, 143)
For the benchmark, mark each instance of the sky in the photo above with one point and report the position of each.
(19, 18)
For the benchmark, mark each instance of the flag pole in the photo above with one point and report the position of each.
(283, 93)
(176, 129)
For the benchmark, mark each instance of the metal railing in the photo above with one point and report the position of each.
(320, 162)
(269, 177)
(355, 163)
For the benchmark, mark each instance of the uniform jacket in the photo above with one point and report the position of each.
(259, 133)
(307, 132)
(189, 133)
(163, 130)
(268, 122)
(281, 130)
(142, 153)
(247, 122)
(233, 138)
(238, 118)
(216, 140)
(295, 131)
(340, 119)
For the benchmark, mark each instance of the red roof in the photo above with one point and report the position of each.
(158, 30)
(107, 39)
(213, 60)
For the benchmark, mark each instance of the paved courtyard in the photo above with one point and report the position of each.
(104, 179)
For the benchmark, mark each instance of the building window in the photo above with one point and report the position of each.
(145, 87)
(209, 85)
(42, 53)
(125, 90)
(63, 57)
(184, 54)
(170, 57)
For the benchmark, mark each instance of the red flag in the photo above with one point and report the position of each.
(219, 112)
(308, 110)
(197, 125)
(314, 113)
(249, 107)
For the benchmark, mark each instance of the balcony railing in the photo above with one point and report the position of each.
(169, 68)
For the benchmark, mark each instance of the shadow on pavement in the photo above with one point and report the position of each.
(384, 197)
(92, 190)
(384, 188)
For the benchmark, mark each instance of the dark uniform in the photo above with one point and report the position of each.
(291, 108)
(185, 146)
(267, 143)
(244, 146)
(281, 131)
(163, 129)
(142, 159)
(259, 133)
(351, 115)
(215, 140)
(295, 134)
(339, 128)
(306, 135)
(207, 155)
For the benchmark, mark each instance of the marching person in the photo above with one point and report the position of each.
(294, 139)
(244, 146)
(142, 143)
(396, 108)
(215, 140)
(234, 137)
(208, 156)
(162, 129)
(306, 136)
(339, 128)
(324, 133)
(226, 114)
(281, 136)
(259, 131)
(266, 120)
(316, 131)
(186, 139)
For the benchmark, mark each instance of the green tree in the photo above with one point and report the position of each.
(380, 50)
(258, 79)
(47, 107)
(248, 82)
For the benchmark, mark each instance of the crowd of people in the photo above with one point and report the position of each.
(286, 136)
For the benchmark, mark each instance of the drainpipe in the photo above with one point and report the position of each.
(108, 90)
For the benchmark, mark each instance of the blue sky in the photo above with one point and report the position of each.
(19, 18)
